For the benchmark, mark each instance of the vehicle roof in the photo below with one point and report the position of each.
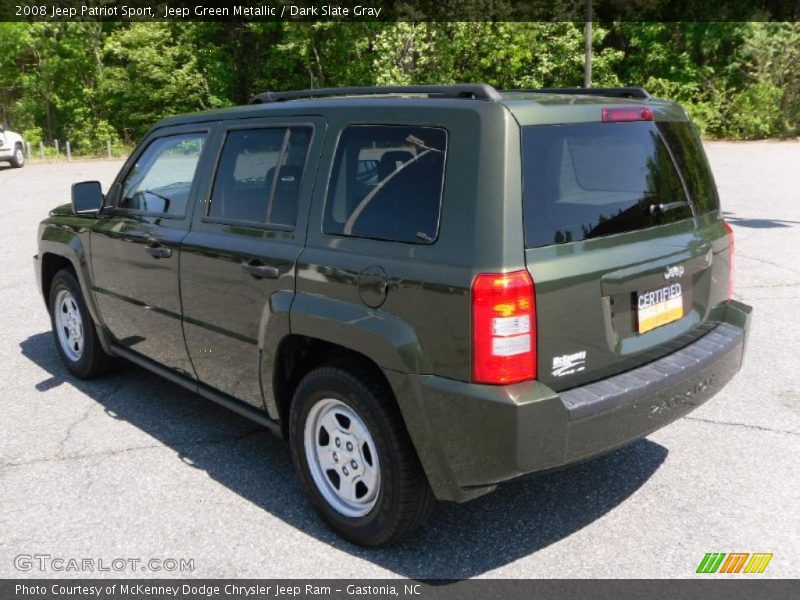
(533, 108)
(528, 108)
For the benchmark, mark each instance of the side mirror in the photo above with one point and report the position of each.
(87, 197)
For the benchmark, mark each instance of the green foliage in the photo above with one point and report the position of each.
(151, 71)
(506, 55)
(98, 82)
(771, 56)
(737, 80)
(33, 135)
(754, 113)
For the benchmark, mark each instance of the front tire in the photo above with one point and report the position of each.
(353, 453)
(73, 329)
(18, 158)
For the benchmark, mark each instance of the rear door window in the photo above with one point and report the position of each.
(258, 176)
(387, 183)
(587, 180)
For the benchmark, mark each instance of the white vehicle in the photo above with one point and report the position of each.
(12, 148)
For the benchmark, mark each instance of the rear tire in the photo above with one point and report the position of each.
(73, 329)
(352, 451)
(18, 158)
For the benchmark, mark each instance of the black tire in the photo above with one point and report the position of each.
(18, 157)
(92, 361)
(404, 498)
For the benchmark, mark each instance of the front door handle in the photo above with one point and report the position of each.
(158, 251)
(260, 270)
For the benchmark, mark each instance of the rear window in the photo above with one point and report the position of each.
(688, 151)
(588, 180)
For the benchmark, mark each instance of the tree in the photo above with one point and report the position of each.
(91, 82)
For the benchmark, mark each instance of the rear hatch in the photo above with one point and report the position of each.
(622, 233)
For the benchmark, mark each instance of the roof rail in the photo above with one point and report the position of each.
(617, 92)
(477, 91)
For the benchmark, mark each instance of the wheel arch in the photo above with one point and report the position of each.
(60, 248)
(52, 263)
(309, 330)
(297, 355)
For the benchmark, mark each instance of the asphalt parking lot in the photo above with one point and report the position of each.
(133, 466)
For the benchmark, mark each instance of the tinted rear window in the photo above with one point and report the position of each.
(587, 180)
(688, 152)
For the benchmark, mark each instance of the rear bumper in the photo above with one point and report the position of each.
(471, 437)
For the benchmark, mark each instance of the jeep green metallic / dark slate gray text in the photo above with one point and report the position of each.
(428, 290)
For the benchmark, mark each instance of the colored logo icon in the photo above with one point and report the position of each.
(734, 562)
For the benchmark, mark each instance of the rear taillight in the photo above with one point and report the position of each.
(634, 113)
(729, 229)
(503, 328)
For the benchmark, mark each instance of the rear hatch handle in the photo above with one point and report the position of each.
(651, 274)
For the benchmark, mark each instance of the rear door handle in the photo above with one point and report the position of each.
(260, 270)
(158, 251)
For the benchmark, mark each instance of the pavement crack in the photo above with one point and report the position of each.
(769, 286)
(745, 425)
(82, 419)
(62, 444)
(767, 262)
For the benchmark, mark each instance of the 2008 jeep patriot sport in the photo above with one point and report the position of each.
(428, 290)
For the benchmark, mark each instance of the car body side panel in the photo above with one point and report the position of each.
(227, 312)
(427, 286)
(388, 340)
(230, 315)
(275, 327)
(137, 293)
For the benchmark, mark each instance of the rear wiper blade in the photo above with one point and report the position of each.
(662, 208)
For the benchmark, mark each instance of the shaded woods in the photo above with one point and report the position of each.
(92, 82)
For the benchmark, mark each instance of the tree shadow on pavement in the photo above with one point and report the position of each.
(458, 541)
(757, 223)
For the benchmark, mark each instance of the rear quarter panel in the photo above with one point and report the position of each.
(424, 325)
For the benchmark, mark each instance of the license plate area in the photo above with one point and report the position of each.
(659, 306)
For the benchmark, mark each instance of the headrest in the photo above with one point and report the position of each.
(391, 161)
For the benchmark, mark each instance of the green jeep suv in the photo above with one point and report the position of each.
(428, 290)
